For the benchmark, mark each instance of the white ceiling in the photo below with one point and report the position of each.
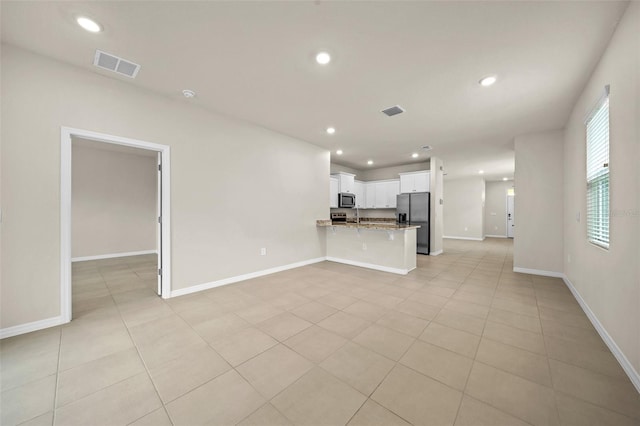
(255, 61)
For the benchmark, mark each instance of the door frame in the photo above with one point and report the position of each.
(507, 213)
(66, 134)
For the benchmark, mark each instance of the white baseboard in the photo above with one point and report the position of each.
(496, 236)
(30, 326)
(606, 337)
(113, 255)
(538, 272)
(435, 253)
(464, 238)
(370, 266)
(238, 278)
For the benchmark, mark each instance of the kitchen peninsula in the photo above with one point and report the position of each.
(384, 246)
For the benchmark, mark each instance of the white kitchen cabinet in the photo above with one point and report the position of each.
(370, 195)
(414, 182)
(360, 194)
(346, 182)
(333, 191)
(393, 189)
(386, 192)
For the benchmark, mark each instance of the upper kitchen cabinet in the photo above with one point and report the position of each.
(414, 182)
(334, 184)
(359, 190)
(370, 195)
(386, 192)
(346, 182)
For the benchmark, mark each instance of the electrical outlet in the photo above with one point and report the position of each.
(578, 217)
(364, 246)
(263, 251)
(495, 228)
(466, 228)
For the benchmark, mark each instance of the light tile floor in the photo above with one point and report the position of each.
(461, 340)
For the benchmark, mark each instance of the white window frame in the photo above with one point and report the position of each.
(598, 193)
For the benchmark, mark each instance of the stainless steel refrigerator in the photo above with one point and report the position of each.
(414, 209)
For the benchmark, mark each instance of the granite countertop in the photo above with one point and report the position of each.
(387, 225)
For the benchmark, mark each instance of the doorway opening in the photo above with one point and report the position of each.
(161, 153)
(510, 212)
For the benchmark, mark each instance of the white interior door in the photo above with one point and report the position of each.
(510, 216)
(159, 224)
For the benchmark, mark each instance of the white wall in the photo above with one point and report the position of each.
(230, 181)
(609, 281)
(337, 168)
(392, 172)
(436, 184)
(538, 242)
(463, 212)
(114, 206)
(381, 173)
(495, 210)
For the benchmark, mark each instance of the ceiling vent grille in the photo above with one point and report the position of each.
(113, 63)
(394, 110)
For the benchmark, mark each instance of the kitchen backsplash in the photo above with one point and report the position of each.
(372, 219)
(369, 213)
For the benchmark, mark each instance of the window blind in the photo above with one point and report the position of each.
(597, 127)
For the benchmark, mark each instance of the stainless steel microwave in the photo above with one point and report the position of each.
(346, 200)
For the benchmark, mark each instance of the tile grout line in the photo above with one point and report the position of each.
(55, 395)
(544, 343)
(146, 368)
(464, 388)
(333, 289)
(496, 408)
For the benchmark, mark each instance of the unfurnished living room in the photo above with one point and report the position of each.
(320, 213)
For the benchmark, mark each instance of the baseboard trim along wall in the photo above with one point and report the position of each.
(113, 255)
(435, 253)
(464, 238)
(608, 340)
(495, 236)
(538, 272)
(238, 278)
(370, 266)
(30, 326)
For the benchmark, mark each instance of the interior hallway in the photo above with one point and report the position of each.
(461, 340)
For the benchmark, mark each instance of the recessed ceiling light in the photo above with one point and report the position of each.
(339, 152)
(505, 178)
(370, 162)
(414, 155)
(488, 81)
(88, 24)
(331, 130)
(481, 172)
(188, 93)
(323, 58)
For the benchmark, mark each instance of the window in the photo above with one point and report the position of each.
(598, 173)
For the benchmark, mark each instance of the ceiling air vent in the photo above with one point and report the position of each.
(113, 63)
(394, 110)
